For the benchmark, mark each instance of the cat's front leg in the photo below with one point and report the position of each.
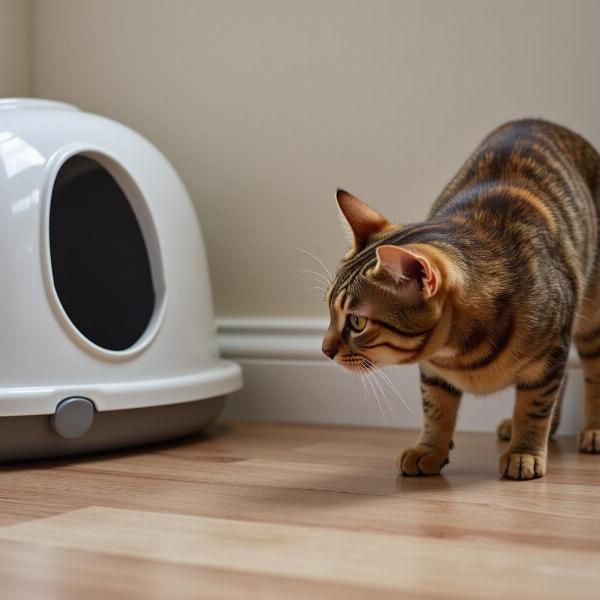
(532, 418)
(440, 407)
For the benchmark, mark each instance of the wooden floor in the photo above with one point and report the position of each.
(281, 511)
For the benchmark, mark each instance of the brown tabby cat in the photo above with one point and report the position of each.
(485, 294)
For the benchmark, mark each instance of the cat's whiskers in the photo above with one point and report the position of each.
(377, 370)
(320, 275)
(317, 239)
(389, 382)
(321, 289)
(329, 276)
(362, 380)
(378, 384)
(364, 372)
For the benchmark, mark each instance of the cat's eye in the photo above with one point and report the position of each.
(357, 322)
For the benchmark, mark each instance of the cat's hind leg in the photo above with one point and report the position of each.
(504, 429)
(589, 439)
(587, 341)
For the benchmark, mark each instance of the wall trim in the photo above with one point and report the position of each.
(272, 338)
(284, 339)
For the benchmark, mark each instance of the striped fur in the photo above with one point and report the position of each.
(487, 293)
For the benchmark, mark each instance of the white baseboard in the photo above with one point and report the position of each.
(287, 379)
(272, 339)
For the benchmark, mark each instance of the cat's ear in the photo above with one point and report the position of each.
(363, 220)
(412, 263)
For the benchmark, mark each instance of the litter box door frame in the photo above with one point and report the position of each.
(141, 210)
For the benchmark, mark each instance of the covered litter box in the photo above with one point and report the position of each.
(107, 330)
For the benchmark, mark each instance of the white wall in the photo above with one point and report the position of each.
(266, 106)
(15, 47)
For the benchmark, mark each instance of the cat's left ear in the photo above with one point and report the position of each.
(413, 262)
(364, 221)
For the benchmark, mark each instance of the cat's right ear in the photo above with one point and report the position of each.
(362, 220)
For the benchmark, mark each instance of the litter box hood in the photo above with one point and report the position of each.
(105, 287)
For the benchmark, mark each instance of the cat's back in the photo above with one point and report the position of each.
(545, 159)
(531, 179)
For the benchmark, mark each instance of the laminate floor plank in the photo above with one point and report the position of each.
(276, 510)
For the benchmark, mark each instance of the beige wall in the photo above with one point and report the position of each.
(15, 47)
(266, 106)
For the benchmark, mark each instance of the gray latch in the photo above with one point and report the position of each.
(73, 417)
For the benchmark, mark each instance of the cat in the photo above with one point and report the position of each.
(485, 294)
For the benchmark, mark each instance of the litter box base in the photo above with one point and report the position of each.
(33, 437)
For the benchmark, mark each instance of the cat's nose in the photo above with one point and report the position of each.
(329, 352)
(331, 343)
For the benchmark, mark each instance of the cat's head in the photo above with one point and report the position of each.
(390, 302)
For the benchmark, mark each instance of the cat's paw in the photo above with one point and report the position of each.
(589, 441)
(521, 466)
(421, 461)
(504, 430)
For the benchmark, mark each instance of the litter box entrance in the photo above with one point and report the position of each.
(99, 259)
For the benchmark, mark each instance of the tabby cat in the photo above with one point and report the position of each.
(486, 293)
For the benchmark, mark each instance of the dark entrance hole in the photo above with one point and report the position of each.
(99, 258)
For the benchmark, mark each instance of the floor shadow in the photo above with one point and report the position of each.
(432, 483)
(341, 489)
(212, 432)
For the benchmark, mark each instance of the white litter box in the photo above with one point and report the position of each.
(107, 330)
